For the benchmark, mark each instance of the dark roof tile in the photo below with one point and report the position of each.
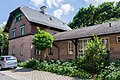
(45, 19)
(101, 29)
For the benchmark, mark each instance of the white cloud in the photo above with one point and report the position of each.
(49, 3)
(63, 10)
(55, 3)
(37, 2)
(4, 23)
(66, 8)
(58, 13)
(97, 2)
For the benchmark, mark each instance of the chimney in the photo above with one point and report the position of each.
(110, 25)
(42, 9)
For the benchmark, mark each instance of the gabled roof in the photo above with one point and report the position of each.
(40, 18)
(45, 19)
(101, 29)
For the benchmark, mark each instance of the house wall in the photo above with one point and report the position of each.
(60, 52)
(114, 46)
(26, 39)
(15, 45)
(43, 27)
(17, 26)
(63, 49)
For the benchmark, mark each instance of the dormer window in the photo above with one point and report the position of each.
(50, 18)
(22, 30)
(19, 17)
(13, 33)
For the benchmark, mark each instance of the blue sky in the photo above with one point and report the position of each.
(62, 9)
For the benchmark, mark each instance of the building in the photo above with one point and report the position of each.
(68, 43)
(21, 26)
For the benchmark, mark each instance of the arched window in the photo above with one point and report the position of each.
(21, 49)
(13, 50)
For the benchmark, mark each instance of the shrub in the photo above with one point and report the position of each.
(95, 57)
(111, 72)
(31, 63)
(60, 67)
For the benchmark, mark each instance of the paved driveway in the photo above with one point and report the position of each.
(29, 74)
(5, 77)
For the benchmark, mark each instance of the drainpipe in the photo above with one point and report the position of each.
(58, 50)
(76, 40)
(75, 43)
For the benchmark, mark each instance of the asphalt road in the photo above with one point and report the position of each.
(4, 77)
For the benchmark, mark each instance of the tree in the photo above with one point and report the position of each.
(42, 40)
(3, 41)
(92, 15)
(95, 57)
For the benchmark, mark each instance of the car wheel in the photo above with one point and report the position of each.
(0, 67)
(15, 67)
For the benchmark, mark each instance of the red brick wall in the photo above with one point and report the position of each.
(26, 42)
(63, 49)
(17, 25)
(61, 53)
(42, 27)
(114, 46)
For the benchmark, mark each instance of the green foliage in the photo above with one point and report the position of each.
(111, 72)
(92, 15)
(95, 57)
(59, 67)
(3, 40)
(42, 40)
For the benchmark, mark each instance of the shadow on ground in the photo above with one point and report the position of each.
(22, 70)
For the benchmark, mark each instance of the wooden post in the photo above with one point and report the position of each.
(58, 50)
(76, 40)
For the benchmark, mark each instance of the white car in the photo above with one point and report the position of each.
(8, 62)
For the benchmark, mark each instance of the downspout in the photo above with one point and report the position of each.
(58, 50)
(75, 43)
(76, 40)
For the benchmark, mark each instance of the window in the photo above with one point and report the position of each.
(37, 52)
(50, 51)
(22, 30)
(118, 39)
(82, 46)
(70, 47)
(13, 50)
(105, 43)
(1, 58)
(21, 50)
(13, 33)
(19, 17)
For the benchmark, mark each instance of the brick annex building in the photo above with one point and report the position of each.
(68, 43)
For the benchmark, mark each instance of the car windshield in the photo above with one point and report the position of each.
(1, 59)
(10, 58)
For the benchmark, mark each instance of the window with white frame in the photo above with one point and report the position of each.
(13, 33)
(105, 43)
(82, 46)
(118, 39)
(37, 52)
(22, 30)
(70, 47)
(50, 51)
(18, 18)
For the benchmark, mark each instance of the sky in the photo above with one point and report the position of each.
(65, 10)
